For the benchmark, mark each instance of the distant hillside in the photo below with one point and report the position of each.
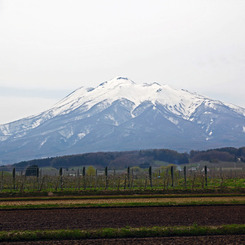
(226, 154)
(110, 159)
(143, 158)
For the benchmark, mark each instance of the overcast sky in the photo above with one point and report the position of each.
(49, 48)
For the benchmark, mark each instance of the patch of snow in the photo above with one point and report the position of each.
(66, 133)
(4, 129)
(81, 135)
(110, 117)
(43, 142)
(19, 135)
(172, 120)
(132, 113)
(3, 138)
(210, 124)
(235, 108)
(243, 129)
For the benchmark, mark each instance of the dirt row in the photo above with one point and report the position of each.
(124, 200)
(217, 240)
(91, 218)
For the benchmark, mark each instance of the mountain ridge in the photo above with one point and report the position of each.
(122, 115)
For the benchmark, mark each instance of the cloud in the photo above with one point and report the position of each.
(33, 93)
(49, 48)
(14, 108)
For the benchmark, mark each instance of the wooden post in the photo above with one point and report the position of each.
(172, 176)
(2, 181)
(167, 178)
(96, 178)
(13, 173)
(132, 182)
(206, 175)
(37, 175)
(150, 175)
(185, 175)
(84, 176)
(78, 179)
(61, 179)
(129, 177)
(106, 177)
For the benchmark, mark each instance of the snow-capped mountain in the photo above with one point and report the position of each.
(122, 115)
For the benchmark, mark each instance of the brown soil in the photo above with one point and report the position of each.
(124, 200)
(222, 240)
(91, 218)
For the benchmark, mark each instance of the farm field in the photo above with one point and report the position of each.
(161, 207)
(118, 201)
(143, 212)
(192, 240)
(95, 218)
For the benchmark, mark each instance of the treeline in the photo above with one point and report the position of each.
(226, 154)
(142, 158)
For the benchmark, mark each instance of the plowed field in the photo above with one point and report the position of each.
(217, 240)
(90, 218)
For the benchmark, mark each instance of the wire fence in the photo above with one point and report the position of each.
(35, 179)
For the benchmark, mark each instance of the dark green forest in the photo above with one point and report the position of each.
(142, 158)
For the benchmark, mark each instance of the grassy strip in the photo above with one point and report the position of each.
(92, 192)
(194, 230)
(118, 197)
(113, 205)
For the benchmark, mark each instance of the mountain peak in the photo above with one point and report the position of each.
(121, 78)
(121, 115)
(117, 81)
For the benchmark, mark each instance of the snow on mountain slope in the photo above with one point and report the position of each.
(179, 102)
(122, 115)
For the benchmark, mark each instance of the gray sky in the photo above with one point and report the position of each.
(49, 48)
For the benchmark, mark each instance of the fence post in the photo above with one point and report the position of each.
(206, 175)
(150, 175)
(106, 177)
(172, 175)
(2, 181)
(13, 173)
(37, 174)
(185, 175)
(84, 176)
(129, 177)
(61, 179)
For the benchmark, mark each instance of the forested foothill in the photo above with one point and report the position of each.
(142, 158)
